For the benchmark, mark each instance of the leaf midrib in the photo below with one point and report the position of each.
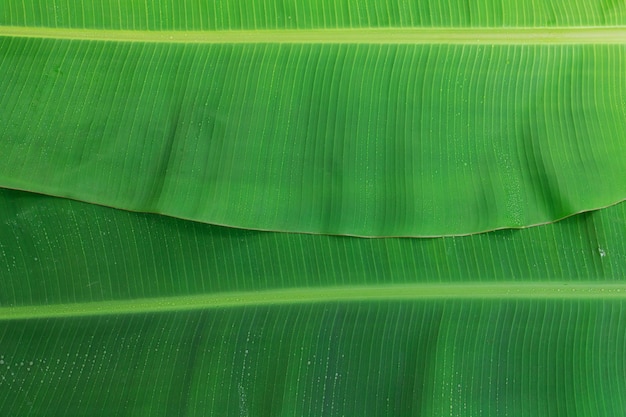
(476, 36)
(416, 292)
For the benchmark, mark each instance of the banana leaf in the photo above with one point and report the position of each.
(109, 312)
(204, 131)
(412, 132)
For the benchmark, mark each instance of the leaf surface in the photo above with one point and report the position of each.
(138, 314)
(418, 131)
(155, 15)
(367, 118)
(491, 357)
(58, 251)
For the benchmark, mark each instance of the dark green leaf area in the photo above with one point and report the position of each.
(490, 358)
(56, 250)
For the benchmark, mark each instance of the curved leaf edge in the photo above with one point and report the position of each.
(259, 229)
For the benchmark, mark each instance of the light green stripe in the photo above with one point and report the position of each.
(557, 290)
(492, 36)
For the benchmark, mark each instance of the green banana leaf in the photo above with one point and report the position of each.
(108, 312)
(407, 132)
(421, 120)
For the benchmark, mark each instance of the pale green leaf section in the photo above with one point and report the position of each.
(366, 140)
(300, 14)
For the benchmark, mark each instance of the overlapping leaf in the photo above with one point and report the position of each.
(360, 118)
(58, 251)
(327, 136)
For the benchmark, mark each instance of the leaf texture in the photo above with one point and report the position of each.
(390, 119)
(491, 358)
(186, 15)
(367, 140)
(473, 353)
(117, 255)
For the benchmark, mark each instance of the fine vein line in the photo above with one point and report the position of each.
(503, 36)
(299, 296)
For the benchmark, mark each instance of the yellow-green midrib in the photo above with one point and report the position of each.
(341, 294)
(394, 35)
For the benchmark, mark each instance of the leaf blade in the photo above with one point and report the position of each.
(118, 256)
(320, 138)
